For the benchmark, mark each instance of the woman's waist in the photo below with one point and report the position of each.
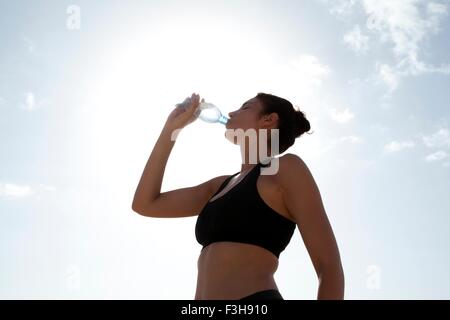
(228, 259)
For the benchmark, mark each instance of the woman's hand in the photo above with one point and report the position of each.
(181, 117)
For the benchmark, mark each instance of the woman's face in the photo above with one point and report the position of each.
(248, 116)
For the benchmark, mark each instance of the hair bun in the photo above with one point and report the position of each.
(301, 124)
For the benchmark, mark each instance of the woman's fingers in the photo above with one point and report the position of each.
(194, 101)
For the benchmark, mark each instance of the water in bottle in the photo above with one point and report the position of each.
(206, 111)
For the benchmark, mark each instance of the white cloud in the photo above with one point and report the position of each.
(356, 40)
(403, 22)
(396, 146)
(30, 103)
(11, 190)
(439, 139)
(298, 78)
(437, 8)
(436, 156)
(341, 7)
(398, 21)
(389, 76)
(15, 191)
(406, 24)
(310, 68)
(341, 116)
(436, 11)
(351, 139)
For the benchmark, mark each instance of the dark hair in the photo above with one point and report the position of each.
(292, 122)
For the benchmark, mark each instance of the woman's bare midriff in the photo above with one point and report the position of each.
(232, 270)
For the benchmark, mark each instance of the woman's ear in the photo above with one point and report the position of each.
(271, 120)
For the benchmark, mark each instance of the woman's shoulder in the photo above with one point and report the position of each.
(282, 166)
(291, 159)
(292, 171)
(284, 169)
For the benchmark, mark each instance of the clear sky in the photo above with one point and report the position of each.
(85, 89)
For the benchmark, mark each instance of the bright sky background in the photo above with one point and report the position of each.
(85, 89)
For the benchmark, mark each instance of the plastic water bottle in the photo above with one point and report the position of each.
(206, 111)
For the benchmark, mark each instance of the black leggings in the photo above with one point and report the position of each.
(271, 294)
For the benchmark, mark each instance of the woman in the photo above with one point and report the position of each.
(247, 219)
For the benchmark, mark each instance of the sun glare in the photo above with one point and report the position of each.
(137, 85)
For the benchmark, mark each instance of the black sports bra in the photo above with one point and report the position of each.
(241, 215)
